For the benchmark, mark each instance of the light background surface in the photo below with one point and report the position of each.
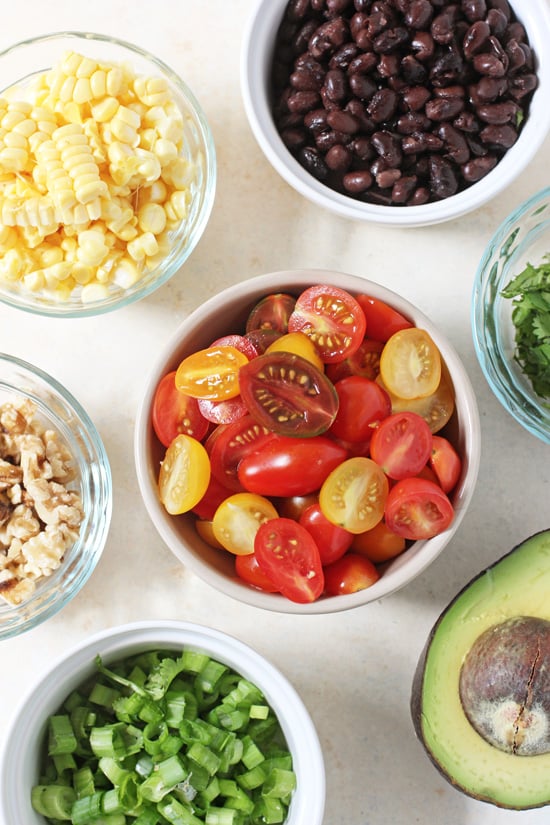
(354, 669)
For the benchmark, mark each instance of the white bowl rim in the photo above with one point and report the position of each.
(261, 25)
(426, 550)
(50, 688)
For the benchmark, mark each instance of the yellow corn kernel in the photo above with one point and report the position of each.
(67, 89)
(127, 232)
(156, 192)
(126, 273)
(8, 238)
(70, 61)
(13, 159)
(178, 203)
(165, 150)
(11, 119)
(82, 273)
(153, 91)
(143, 246)
(178, 173)
(50, 254)
(82, 92)
(57, 272)
(92, 248)
(114, 81)
(104, 110)
(151, 218)
(98, 83)
(148, 166)
(34, 281)
(93, 292)
(86, 67)
(25, 127)
(11, 265)
(16, 140)
(69, 246)
(148, 138)
(71, 112)
(93, 209)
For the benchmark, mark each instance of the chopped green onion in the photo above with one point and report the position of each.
(53, 801)
(61, 737)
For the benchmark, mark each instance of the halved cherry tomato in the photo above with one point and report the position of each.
(261, 339)
(401, 444)
(237, 519)
(436, 409)
(287, 394)
(418, 509)
(354, 494)
(212, 498)
(184, 474)
(240, 342)
(248, 569)
(410, 364)
(332, 541)
(379, 544)
(288, 555)
(382, 320)
(279, 465)
(222, 412)
(445, 462)
(211, 373)
(362, 405)
(205, 530)
(349, 574)
(365, 361)
(332, 318)
(299, 344)
(293, 506)
(271, 312)
(228, 444)
(173, 412)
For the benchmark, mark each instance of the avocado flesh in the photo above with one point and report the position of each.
(516, 585)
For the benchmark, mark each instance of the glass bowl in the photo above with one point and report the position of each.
(522, 238)
(56, 409)
(117, 285)
(225, 313)
(256, 59)
(19, 765)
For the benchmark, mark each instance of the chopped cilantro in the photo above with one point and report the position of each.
(530, 294)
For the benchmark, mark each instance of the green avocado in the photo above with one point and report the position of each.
(480, 699)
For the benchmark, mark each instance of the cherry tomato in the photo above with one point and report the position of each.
(332, 318)
(288, 395)
(354, 494)
(184, 474)
(299, 344)
(362, 404)
(237, 520)
(222, 412)
(261, 339)
(205, 530)
(401, 444)
(293, 506)
(240, 342)
(436, 409)
(228, 444)
(332, 541)
(211, 500)
(278, 465)
(365, 362)
(248, 569)
(349, 574)
(288, 555)
(410, 364)
(418, 509)
(379, 544)
(382, 320)
(211, 373)
(271, 312)
(445, 462)
(174, 412)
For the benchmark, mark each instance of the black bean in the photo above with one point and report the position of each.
(339, 158)
(443, 25)
(443, 180)
(498, 113)
(423, 45)
(418, 14)
(342, 121)
(412, 70)
(324, 141)
(499, 136)
(474, 9)
(316, 120)
(420, 196)
(387, 146)
(336, 7)
(488, 90)
(314, 163)
(382, 105)
(390, 40)
(522, 85)
(497, 22)
(412, 122)
(361, 149)
(336, 85)
(294, 138)
(476, 37)
(297, 9)
(304, 80)
(388, 65)
(362, 86)
(443, 108)
(403, 188)
(363, 63)
(303, 101)
(357, 182)
(387, 178)
(488, 64)
(357, 109)
(343, 56)
(477, 168)
(415, 97)
(328, 38)
(455, 145)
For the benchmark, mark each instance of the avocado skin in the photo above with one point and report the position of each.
(416, 698)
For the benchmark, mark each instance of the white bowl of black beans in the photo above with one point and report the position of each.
(398, 112)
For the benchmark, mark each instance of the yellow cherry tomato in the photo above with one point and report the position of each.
(184, 474)
(300, 344)
(410, 364)
(354, 494)
(211, 373)
(237, 519)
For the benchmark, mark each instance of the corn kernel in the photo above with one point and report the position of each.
(67, 89)
(70, 62)
(93, 292)
(152, 218)
(86, 68)
(82, 92)
(34, 281)
(178, 173)
(114, 81)
(98, 83)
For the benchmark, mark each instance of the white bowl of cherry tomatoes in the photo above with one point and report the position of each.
(308, 441)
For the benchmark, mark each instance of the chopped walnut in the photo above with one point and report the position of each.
(40, 516)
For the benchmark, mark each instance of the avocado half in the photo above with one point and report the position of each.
(480, 699)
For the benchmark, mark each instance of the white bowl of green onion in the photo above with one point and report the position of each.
(164, 723)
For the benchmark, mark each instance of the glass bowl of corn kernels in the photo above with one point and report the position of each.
(108, 172)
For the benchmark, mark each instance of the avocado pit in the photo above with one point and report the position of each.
(505, 686)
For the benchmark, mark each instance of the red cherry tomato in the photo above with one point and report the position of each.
(445, 462)
(271, 312)
(418, 509)
(248, 569)
(278, 465)
(228, 444)
(288, 555)
(365, 362)
(288, 394)
(240, 342)
(261, 339)
(349, 574)
(174, 412)
(382, 320)
(401, 444)
(211, 500)
(333, 320)
(332, 541)
(222, 412)
(362, 404)
(379, 544)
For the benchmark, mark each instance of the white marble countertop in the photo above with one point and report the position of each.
(352, 669)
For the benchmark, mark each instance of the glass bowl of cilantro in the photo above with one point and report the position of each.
(511, 314)
(162, 723)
